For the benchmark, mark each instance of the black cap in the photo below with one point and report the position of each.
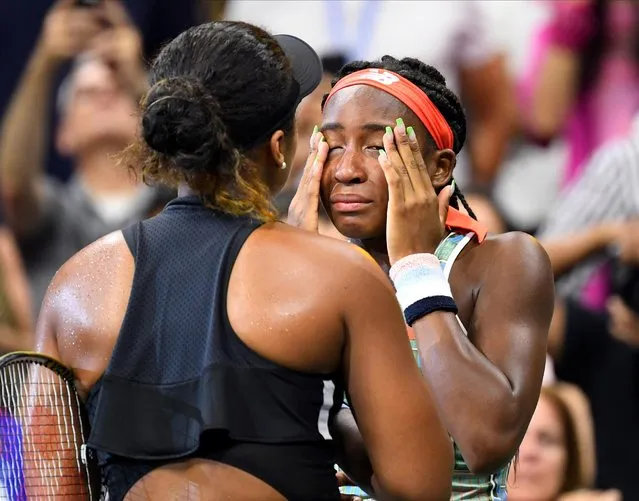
(307, 75)
(306, 64)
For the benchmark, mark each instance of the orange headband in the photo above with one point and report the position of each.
(409, 94)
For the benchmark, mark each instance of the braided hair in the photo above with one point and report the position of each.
(433, 84)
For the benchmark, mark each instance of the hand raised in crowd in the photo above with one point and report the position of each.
(120, 46)
(623, 322)
(416, 216)
(68, 30)
(304, 209)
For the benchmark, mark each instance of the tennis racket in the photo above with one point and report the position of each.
(43, 430)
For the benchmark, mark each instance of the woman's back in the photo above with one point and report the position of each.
(169, 359)
(194, 386)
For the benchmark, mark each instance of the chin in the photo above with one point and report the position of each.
(356, 228)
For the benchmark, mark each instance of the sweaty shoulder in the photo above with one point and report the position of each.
(328, 259)
(515, 271)
(328, 254)
(86, 301)
(97, 262)
(514, 248)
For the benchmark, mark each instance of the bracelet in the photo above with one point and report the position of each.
(421, 286)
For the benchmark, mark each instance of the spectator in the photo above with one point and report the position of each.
(461, 48)
(54, 221)
(599, 353)
(584, 77)
(556, 458)
(592, 218)
(20, 26)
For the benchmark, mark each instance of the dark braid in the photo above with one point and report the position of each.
(457, 197)
(433, 84)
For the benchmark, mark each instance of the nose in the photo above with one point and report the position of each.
(350, 169)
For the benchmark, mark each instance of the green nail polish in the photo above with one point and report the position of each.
(315, 129)
(411, 134)
(389, 131)
(322, 139)
(400, 122)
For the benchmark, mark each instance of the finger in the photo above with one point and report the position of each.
(418, 157)
(396, 163)
(318, 167)
(64, 4)
(115, 13)
(343, 480)
(82, 25)
(619, 311)
(395, 186)
(312, 155)
(444, 202)
(408, 158)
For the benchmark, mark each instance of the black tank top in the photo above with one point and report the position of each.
(178, 369)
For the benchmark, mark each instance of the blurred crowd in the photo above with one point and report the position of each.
(551, 89)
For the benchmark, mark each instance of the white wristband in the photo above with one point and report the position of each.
(418, 276)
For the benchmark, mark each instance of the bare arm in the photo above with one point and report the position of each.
(409, 449)
(556, 83)
(487, 389)
(20, 335)
(568, 250)
(554, 93)
(23, 143)
(489, 95)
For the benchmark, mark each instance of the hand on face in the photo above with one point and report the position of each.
(416, 214)
(304, 209)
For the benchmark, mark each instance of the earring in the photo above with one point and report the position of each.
(283, 166)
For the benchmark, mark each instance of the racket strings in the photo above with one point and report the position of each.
(40, 436)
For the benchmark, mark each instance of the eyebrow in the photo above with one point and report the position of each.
(370, 127)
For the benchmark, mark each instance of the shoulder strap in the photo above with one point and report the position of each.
(450, 248)
(448, 251)
(130, 234)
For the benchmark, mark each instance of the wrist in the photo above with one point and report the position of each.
(605, 235)
(421, 286)
(44, 62)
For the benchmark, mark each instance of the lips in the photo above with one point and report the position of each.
(348, 202)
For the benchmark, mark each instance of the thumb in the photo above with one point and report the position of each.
(64, 4)
(444, 201)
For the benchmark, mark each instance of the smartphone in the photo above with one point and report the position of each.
(87, 3)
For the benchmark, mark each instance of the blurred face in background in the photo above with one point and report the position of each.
(98, 113)
(543, 457)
